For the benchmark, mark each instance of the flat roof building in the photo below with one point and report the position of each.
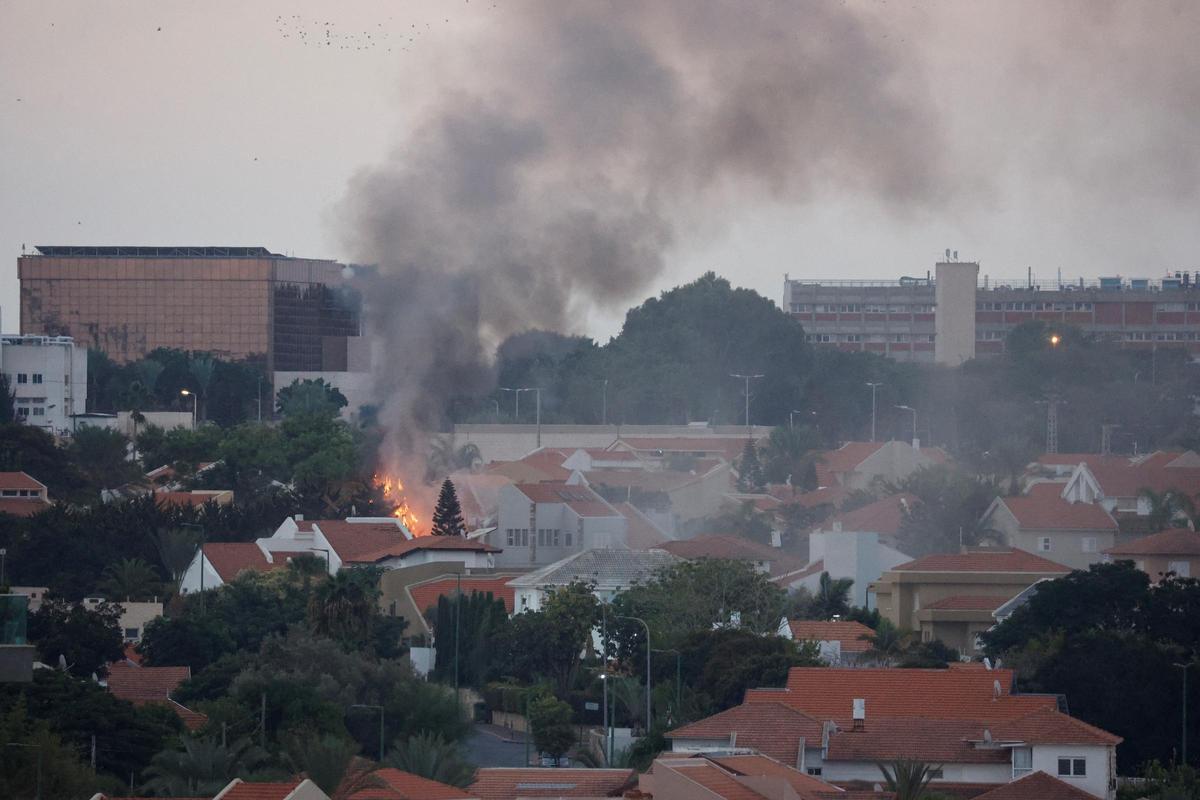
(295, 314)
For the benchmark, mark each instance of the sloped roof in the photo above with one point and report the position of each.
(134, 683)
(196, 498)
(259, 791)
(400, 785)
(19, 480)
(1051, 726)
(1154, 471)
(717, 781)
(965, 602)
(354, 540)
(826, 495)
(728, 447)
(883, 516)
(642, 534)
(1176, 541)
(1006, 560)
(937, 741)
(230, 559)
(965, 692)
(851, 634)
(580, 499)
(773, 729)
(23, 506)
(600, 566)
(402, 548)
(426, 594)
(847, 457)
(1044, 508)
(764, 765)
(1036, 786)
(506, 783)
(734, 548)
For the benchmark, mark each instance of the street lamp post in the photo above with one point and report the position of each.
(1183, 743)
(191, 394)
(3, 555)
(678, 676)
(380, 710)
(517, 405)
(647, 627)
(875, 386)
(747, 379)
(914, 413)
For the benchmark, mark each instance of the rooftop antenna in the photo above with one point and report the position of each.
(956, 255)
(947, 253)
(1106, 438)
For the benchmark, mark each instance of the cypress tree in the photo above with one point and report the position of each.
(750, 472)
(448, 516)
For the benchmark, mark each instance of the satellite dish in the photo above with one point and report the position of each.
(987, 736)
(996, 690)
(947, 253)
(987, 663)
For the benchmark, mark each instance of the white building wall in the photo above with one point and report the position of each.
(1099, 766)
(857, 555)
(954, 314)
(957, 773)
(55, 379)
(191, 581)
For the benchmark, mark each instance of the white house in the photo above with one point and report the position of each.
(48, 378)
(542, 523)
(609, 571)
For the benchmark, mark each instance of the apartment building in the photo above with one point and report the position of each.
(47, 376)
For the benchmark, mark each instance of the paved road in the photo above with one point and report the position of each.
(494, 746)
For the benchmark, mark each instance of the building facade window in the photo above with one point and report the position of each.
(1022, 761)
(1072, 767)
(1044, 544)
(22, 377)
(37, 377)
(1182, 569)
(1089, 544)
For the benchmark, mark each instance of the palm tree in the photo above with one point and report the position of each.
(1165, 507)
(832, 598)
(342, 606)
(203, 766)
(307, 566)
(791, 453)
(888, 641)
(129, 579)
(329, 762)
(430, 756)
(202, 368)
(908, 780)
(176, 549)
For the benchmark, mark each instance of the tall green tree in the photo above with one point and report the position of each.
(430, 756)
(750, 472)
(343, 606)
(87, 639)
(550, 720)
(447, 515)
(907, 779)
(310, 397)
(832, 599)
(130, 579)
(201, 766)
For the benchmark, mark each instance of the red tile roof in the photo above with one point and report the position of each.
(1153, 472)
(353, 540)
(756, 765)
(425, 595)
(1036, 786)
(1072, 459)
(1176, 541)
(580, 499)
(23, 506)
(406, 786)
(962, 693)
(734, 548)
(230, 559)
(1009, 560)
(642, 533)
(181, 499)
(845, 459)
(1044, 508)
(772, 729)
(192, 720)
(260, 791)
(134, 683)
(883, 516)
(851, 634)
(937, 741)
(728, 448)
(716, 781)
(437, 543)
(826, 495)
(964, 602)
(506, 783)
(20, 480)
(661, 480)
(1050, 726)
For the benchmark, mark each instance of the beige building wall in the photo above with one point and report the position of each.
(954, 315)
(900, 596)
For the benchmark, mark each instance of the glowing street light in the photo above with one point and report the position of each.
(191, 394)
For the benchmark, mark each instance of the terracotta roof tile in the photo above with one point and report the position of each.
(1044, 508)
(402, 548)
(847, 457)
(260, 791)
(756, 765)
(717, 781)
(1050, 726)
(23, 506)
(851, 634)
(231, 558)
(1036, 786)
(1153, 472)
(963, 693)
(406, 786)
(728, 447)
(734, 548)
(352, 540)
(964, 602)
(134, 683)
(580, 499)
(1010, 560)
(425, 595)
(20, 480)
(938, 741)
(826, 495)
(772, 729)
(1176, 541)
(661, 480)
(507, 783)
(883, 516)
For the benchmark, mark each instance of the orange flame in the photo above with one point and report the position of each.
(393, 492)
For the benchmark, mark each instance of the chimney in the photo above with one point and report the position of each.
(860, 713)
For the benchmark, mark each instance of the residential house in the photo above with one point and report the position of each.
(295, 789)
(509, 783)
(542, 523)
(860, 544)
(135, 616)
(734, 775)
(781, 566)
(838, 641)
(1036, 786)
(857, 465)
(218, 563)
(479, 496)
(608, 571)
(35, 595)
(1174, 551)
(839, 724)
(1045, 522)
(677, 449)
(410, 592)
(152, 686)
(22, 495)
(684, 491)
(905, 592)
(394, 784)
(1119, 485)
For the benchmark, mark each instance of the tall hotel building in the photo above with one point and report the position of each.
(950, 315)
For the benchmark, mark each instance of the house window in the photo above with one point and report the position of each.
(567, 537)
(556, 537)
(1044, 544)
(392, 609)
(926, 635)
(22, 412)
(1022, 760)
(541, 534)
(1089, 544)
(1072, 767)
(510, 537)
(1182, 569)
(22, 377)
(131, 633)
(814, 771)
(39, 411)
(37, 377)
(936, 774)
(524, 537)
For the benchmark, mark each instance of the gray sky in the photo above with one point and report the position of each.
(1063, 138)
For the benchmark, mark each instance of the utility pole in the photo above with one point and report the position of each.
(875, 386)
(649, 718)
(262, 720)
(1052, 404)
(747, 379)
(93, 754)
(915, 440)
(517, 407)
